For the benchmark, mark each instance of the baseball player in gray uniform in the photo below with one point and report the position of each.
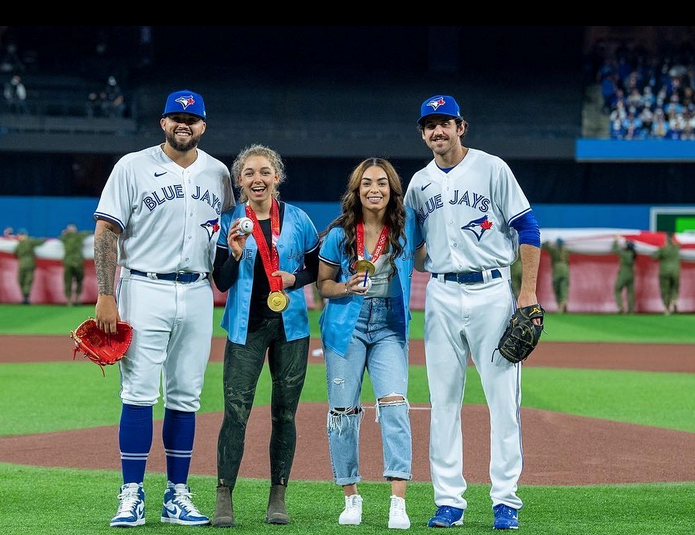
(473, 215)
(158, 218)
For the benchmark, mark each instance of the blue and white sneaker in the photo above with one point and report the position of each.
(505, 517)
(179, 509)
(446, 517)
(131, 509)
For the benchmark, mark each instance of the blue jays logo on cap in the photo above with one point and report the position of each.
(185, 101)
(439, 105)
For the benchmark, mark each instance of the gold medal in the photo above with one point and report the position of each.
(278, 301)
(364, 265)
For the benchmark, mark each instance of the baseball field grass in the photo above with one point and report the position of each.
(64, 395)
(627, 328)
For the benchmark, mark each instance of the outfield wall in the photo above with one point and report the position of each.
(593, 269)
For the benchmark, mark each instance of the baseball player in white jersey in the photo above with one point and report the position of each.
(474, 217)
(158, 218)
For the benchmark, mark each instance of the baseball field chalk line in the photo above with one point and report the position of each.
(371, 407)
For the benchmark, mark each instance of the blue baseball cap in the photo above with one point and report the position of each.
(185, 101)
(439, 105)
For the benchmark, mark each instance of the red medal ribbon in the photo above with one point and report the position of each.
(270, 257)
(380, 242)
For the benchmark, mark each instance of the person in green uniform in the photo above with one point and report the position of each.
(669, 272)
(626, 274)
(73, 262)
(26, 255)
(559, 258)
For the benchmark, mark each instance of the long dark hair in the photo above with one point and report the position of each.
(351, 208)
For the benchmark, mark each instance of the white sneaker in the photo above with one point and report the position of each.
(352, 514)
(398, 518)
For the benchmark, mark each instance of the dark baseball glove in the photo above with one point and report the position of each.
(99, 347)
(521, 335)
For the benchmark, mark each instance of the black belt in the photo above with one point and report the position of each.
(467, 278)
(179, 276)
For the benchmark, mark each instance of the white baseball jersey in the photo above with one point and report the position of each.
(465, 213)
(169, 216)
(170, 220)
(465, 216)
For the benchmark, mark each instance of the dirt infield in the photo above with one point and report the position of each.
(611, 452)
(676, 358)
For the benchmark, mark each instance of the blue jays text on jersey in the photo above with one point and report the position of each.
(175, 191)
(470, 199)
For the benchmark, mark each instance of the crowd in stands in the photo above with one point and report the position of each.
(15, 95)
(649, 95)
(10, 62)
(99, 70)
(109, 102)
(14, 92)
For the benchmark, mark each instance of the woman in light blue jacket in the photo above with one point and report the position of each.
(264, 268)
(365, 267)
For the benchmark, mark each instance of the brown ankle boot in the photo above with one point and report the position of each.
(276, 513)
(224, 508)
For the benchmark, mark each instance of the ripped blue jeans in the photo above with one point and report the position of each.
(377, 346)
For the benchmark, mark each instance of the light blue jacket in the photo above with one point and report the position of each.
(339, 316)
(298, 236)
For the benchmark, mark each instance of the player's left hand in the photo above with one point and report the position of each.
(522, 334)
(527, 299)
(288, 279)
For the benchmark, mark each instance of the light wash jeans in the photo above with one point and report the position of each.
(378, 346)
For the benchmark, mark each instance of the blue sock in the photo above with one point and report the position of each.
(178, 432)
(135, 441)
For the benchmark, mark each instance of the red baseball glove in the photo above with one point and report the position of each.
(101, 348)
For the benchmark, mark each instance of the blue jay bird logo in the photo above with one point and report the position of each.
(478, 226)
(185, 101)
(211, 226)
(435, 103)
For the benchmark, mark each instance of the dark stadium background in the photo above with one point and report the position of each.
(325, 97)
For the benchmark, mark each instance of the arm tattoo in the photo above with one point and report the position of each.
(105, 259)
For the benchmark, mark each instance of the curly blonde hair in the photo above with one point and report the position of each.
(258, 150)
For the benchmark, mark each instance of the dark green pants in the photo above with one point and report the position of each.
(25, 277)
(625, 281)
(669, 285)
(72, 273)
(561, 288)
(287, 362)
